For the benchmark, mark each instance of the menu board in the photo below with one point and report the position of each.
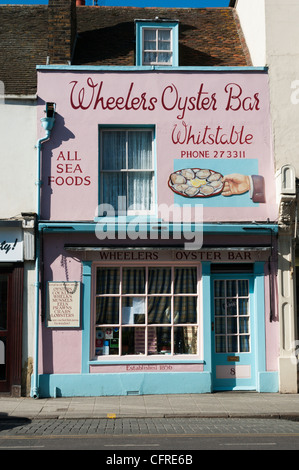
(63, 306)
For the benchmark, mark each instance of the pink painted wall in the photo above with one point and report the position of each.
(60, 348)
(189, 110)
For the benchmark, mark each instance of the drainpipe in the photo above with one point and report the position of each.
(47, 123)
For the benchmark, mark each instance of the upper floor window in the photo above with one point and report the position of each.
(157, 43)
(127, 169)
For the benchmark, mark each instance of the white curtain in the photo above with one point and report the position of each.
(126, 168)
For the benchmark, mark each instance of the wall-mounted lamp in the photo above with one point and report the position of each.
(48, 121)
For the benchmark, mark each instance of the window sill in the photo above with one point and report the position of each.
(179, 359)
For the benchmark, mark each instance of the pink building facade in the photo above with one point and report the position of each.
(157, 232)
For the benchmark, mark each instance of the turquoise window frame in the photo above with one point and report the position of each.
(127, 218)
(172, 25)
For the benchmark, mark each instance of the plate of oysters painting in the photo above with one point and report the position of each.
(196, 182)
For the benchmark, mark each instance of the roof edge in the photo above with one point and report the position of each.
(134, 68)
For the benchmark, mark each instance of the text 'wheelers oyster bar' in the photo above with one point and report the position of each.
(157, 233)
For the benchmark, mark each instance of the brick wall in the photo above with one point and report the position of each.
(61, 30)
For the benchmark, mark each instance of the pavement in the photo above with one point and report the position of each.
(214, 405)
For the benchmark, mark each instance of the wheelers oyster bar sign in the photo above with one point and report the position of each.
(212, 137)
(248, 255)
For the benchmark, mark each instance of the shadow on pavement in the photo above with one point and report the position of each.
(10, 422)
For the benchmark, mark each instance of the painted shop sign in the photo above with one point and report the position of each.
(63, 306)
(11, 245)
(161, 367)
(212, 132)
(220, 255)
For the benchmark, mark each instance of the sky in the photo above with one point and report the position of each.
(136, 3)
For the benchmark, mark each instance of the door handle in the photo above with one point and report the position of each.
(212, 326)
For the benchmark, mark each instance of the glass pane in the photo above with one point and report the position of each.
(185, 340)
(220, 325)
(219, 306)
(3, 302)
(149, 34)
(232, 325)
(231, 288)
(164, 46)
(159, 340)
(107, 281)
(232, 344)
(243, 288)
(133, 310)
(133, 340)
(140, 190)
(159, 280)
(114, 186)
(244, 343)
(185, 310)
(164, 57)
(150, 57)
(243, 307)
(107, 341)
(164, 35)
(219, 287)
(231, 306)
(185, 281)
(140, 150)
(244, 325)
(113, 150)
(149, 45)
(133, 281)
(220, 344)
(107, 310)
(159, 309)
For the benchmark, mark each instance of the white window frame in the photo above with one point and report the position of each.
(227, 315)
(157, 51)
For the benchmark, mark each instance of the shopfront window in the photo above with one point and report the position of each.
(144, 311)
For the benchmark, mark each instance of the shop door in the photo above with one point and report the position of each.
(232, 333)
(5, 286)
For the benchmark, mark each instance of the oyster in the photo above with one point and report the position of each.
(206, 189)
(214, 177)
(181, 187)
(216, 184)
(191, 191)
(188, 174)
(203, 174)
(178, 179)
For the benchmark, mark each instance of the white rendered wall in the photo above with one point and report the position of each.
(18, 157)
(283, 60)
(252, 18)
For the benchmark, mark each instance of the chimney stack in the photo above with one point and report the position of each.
(61, 31)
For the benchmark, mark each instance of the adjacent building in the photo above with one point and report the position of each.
(271, 33)
(23, 44)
